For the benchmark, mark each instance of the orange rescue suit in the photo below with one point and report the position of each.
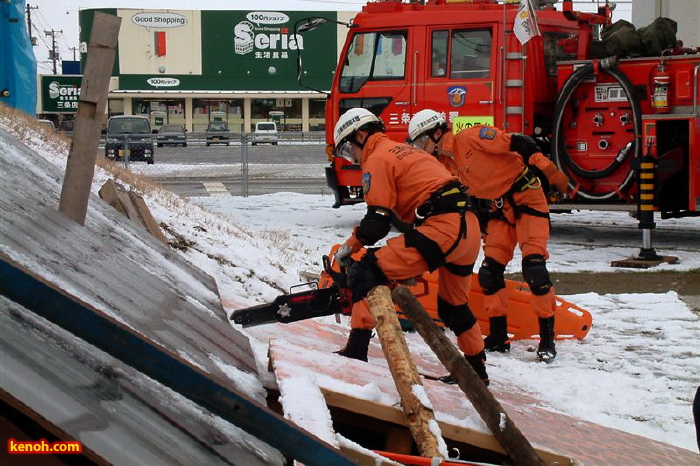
(399, 178)
(482, 159)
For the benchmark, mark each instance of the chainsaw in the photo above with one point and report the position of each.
(292, 307)
(331, 295)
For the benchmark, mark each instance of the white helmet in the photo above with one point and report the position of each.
(424, 121)
(351, 121)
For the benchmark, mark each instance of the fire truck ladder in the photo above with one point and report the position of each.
(514, 85)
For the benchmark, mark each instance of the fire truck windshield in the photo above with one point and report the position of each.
(373, 56)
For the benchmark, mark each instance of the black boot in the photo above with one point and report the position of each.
(478, 363)
(546, 351)
(357, 345)
(498, 337)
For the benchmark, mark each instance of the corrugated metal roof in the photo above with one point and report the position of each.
(112, 409)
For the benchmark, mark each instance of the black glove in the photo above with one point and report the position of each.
(363, 275)
(524, 145)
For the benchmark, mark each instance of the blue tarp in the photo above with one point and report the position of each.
(17, 62)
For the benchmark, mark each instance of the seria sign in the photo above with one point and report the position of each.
(60, 94)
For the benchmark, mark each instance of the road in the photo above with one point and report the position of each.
(285, 152)
(290, 167)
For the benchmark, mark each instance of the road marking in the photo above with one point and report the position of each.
(216, 189)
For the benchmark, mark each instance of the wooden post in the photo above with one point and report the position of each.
(403, 370)
(88, 121)
(502, 426)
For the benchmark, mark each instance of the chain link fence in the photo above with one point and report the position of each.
(234, 166)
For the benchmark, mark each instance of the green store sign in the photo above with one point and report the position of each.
(60, 94)
(248, 50)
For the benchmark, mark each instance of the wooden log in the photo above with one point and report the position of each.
(502, 426)
(109, 192)
(80, 167)
(420, 418)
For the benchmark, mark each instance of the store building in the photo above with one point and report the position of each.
(191, 67)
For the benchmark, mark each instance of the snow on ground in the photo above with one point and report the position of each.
(637, 370)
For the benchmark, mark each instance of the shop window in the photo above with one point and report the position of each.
(205, 111)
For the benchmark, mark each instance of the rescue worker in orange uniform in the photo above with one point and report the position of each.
(408, 184)
(496, 166)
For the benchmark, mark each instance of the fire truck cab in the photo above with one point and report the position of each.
(464, 60)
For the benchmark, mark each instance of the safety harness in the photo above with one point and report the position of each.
(451, 198)
(526, 180)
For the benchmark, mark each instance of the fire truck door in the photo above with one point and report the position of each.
(459, 77)
(377, 75)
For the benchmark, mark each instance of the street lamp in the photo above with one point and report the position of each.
(309, 24)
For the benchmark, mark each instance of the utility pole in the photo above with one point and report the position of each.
(73, 49)
(53, 53)
(29, 23)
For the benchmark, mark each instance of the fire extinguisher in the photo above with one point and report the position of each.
(660, 87)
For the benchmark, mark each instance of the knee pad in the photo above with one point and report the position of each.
(536, 275)
(458, 318)
(491, 276)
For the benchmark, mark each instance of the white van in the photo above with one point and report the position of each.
(265, 132)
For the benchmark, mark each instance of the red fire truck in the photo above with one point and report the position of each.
(626, 132)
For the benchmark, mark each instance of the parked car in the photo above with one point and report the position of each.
(265, 132)
(217, 133)
(171, 135)
(129, 132)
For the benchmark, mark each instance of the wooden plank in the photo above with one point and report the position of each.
(494, 415)
(146, 218)
(109, 193)
(162, 365)
(80, 167)
(403, 371)
(634, 263)
(132, 206)
(399, 440)
(115, 195)
(386, 413)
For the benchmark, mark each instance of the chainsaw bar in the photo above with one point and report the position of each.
(292, 307)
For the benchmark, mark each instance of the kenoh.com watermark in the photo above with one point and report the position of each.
(42, 447)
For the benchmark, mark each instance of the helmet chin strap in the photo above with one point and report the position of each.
(436, 141)
(361, 145)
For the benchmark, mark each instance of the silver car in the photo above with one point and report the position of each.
(265, 132)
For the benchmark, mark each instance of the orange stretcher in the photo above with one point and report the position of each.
(570, 322)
